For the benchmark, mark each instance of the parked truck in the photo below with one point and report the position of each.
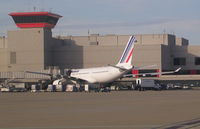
(146, 84)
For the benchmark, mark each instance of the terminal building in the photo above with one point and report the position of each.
(32, 47)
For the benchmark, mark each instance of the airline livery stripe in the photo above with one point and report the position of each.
(127, 50)
(131, 41)
(129, 56)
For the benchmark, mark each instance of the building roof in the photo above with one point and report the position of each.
(35, 14)
(35, 19)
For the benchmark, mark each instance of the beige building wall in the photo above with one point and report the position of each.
(102, 50)
(3, 60)
(101, 55)
(145, 55)
(110, 40)
(96, 50)
(3, 54)
(26, 49)
(35, 49)
(93, 56)
(3, 42)
(67, 55)
(149, 39)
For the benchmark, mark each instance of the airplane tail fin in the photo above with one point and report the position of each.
(126, 58)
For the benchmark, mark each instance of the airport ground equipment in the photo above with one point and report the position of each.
(86, 88)
(71, 88)
(51, 88)
(146, 84)
(6, 89)
(60, 88)
(35, 88)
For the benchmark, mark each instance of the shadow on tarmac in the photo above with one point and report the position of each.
(189, 124)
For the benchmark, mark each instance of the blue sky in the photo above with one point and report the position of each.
(179, 17)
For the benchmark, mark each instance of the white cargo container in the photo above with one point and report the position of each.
(51, 88)
(86, 88)
(71, 88)
(5, 89)
(35, 88)
(60, 87)
(113, 87)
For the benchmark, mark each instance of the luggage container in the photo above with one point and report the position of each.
(60, 88)
(71, 88)
(112, 88)
(35, 88)
(86, 88)
(51, 88)
(5, 89)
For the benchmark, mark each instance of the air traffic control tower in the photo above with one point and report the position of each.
(35, 19)
(29, 48)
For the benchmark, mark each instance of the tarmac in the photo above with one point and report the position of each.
(178, 109)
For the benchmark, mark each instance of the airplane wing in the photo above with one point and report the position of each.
(155, 73)
(48, 74)
(147, 66)
(74, 79)
(52, 76)
(62, 76)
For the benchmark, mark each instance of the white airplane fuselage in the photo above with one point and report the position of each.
(98, 75)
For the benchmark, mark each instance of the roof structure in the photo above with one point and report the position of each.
(35, 19)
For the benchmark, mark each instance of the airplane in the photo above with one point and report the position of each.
(110, 73)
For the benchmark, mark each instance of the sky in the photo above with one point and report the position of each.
(179, 17)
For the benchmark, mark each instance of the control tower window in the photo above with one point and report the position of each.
(35, 19)
(51, 20)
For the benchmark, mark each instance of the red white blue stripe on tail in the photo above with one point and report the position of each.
(128, 52)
